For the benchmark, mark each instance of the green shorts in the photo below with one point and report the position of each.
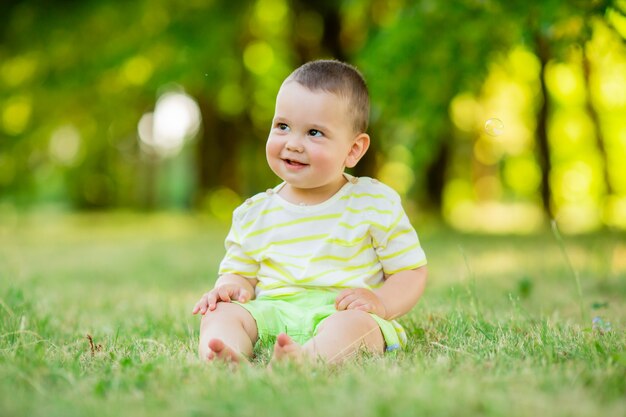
(300, 315)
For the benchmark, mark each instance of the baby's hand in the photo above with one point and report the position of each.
(225, 293)
(360, 299)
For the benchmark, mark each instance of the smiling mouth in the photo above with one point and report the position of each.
(293, 163)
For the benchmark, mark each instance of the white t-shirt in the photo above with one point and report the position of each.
(352, 240)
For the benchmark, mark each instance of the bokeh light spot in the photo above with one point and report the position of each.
(615, 212)
(16, 115)
(464, 110)
(176, 118)
(522, 174)
(271, 12)
(579, 217)
(137, 70)
(18, 70)
(577, 180)
(222, 201)
(398, 176)
(486, 153)
(494, 127)
(230, 100)
(258, 57)
(65, 145)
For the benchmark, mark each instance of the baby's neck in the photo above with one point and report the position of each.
(310, 196)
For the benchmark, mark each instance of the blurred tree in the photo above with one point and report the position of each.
(426, 53)
(419, 57)
(324, 29)
(552, 28)
(95, 67)
(76, 78)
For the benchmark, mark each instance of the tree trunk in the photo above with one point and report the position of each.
(217, 149)
(331, 45)
(541, 132)
(436, 174)
(593, 114)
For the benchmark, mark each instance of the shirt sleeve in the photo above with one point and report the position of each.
(236, 261)
(396, 243)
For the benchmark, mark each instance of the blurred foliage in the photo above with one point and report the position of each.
(84, 120)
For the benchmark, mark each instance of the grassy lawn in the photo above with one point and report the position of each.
(505, 328)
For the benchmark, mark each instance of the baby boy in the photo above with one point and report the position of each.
(324, 261)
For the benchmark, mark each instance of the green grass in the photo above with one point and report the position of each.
(501, 330)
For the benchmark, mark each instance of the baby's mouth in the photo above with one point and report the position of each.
(294, 163)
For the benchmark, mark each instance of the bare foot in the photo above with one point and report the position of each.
(286, 349)
(218, 350)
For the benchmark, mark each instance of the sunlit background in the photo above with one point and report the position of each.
(497, 116)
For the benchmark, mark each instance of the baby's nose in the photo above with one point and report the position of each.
(294, 145)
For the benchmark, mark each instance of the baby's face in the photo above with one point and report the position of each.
(310, 140)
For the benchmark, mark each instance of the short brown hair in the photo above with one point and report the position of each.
(338, 78)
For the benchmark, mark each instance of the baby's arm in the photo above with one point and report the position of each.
(400, 292)
(397, 296)
(227, 287)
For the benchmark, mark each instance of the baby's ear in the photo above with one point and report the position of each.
(360, 144)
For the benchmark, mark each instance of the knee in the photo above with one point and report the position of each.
(223, 312)
(228, 314)
(357, 319)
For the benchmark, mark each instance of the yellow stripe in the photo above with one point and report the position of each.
(350, 278)
(391, 227)
(266, 211)
(403, 251)
(339, 258)
(289, 255)
(368, 222)
(288, 242)
(396, 221)
(314, 277)
(277, 285)
(344, 269)
(302, 288)
(246, 274)
(262, 213)
(247, 225)
(352, 242)
(361, 195)
(292, 265)
(368, 208)
(407, 268)
(355, 267)
(283, 272)
(292, 222)
(400, 233)
(271, 286)
(243, 260)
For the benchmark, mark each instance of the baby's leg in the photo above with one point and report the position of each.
(339, 336)
(227, 333)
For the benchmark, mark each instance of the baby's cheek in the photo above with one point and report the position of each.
(273, 146)
(327, 161)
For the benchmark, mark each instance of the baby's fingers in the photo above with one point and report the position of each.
(211, 300)
(196, 308)
(340, 298)
(346, 301)
(360, 305)
(224, 294)
(200, 306)
(243, 296)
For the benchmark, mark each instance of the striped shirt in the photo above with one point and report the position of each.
(352, 240)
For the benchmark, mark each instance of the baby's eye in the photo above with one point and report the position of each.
(316, 133)
(282, 126)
